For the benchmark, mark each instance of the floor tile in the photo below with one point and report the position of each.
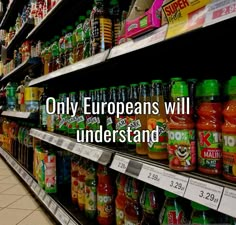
(6, 200)
(17, 189)
(26, 202)
(3, 177)
(37, 218)
(6, 172)
(4, 187)
(10, 180)
(13, 216)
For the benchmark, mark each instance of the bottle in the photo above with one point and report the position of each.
(149, 203)
(157, 150)
(91, 192)
(229, 132)
(201, 214)
(103, 114)
(114, 11)
(62, 123)
(72, 120)
(55, 54)
(171, 83)
(101, 27)
(120, 200)
(51, 118)
(81, 183)
(87, 35)
(209, 129)
(144, 96)
(62, 48)
(105, 196)
(74, 178)
(89, 116)
(181, 132)
(81, 116)
(11, 95)
(47, 58)
(68, 46)
(42, 109)
(131, 122)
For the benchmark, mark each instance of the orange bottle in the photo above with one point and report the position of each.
(120, 198)
(229, 133)
(105, 197)
(209, 129)
(181, 136)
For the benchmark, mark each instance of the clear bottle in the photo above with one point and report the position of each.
(42, 109)
(87, 35)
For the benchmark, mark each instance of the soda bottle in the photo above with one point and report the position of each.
(62, 48)
(68, 46)
(209, 129)
(105, 196)
(87, 35)
(74, 178)
(89, 116)
(181, 132)
(55, 54)
(141, 119)
(157, 150)
(229, 132)
(81, 116)
(81, 182)
(103, 114)
(114, 11)
(62, 123)
(11, 95)
(42, 109)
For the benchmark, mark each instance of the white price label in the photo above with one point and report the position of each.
(174, 183)
(19, 170)
(29, 180)
(33, 186)
(54, 141)
(44, 136)
(228, 202)
(65, 144)
(77, 149)
(47, 200)
(40, 135)
(37, 190)
(72, 222)
(24, 174)
(71, 146)
(53, 206)
(62, 216)
(42, 194)
(119, 164)
(32, 132)
(95, 154)
(204, 193)
(59, 142)
(86, 153)
(49, 138)
(151, 175)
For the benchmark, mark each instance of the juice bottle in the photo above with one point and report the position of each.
(105, 196)
(170, 85)
(141, 119)
(132, 207)
(74, 178)
(79, 39)
(87, 35)
(158, 150)
(149, 203)
(81, 116)
(62, 48)
(81, 182)
(68, 46)
(120, 200)
(209, 129)
(114, 11)
(56, 64)
(229, 133)
(42, 109)
(172, 212)
(103, 115)
(181, 135)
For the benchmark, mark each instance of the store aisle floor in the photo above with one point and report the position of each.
(17, 205)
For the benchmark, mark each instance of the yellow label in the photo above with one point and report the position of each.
(31, 94)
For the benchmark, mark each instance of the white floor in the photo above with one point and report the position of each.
(17, 205)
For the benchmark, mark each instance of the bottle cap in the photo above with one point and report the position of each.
(69, 28)
(133, 85)
(175, 78)
(114, 2)
(198, 206)
(170, 195)
(122, 86)
(81, 19)
(143, 83)
(179, 89)
(210, 88)
(88, 12)
(232, 86)
(157, 81)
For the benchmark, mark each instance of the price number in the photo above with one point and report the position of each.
(177, 185)
(122, 165)
(50, 138)
(208, 196)
(71, 146)
(59, 142)
(153, 176)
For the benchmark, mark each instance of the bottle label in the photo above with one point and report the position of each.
(133, 124)
(139, 127)
(131, 222)
(72, 124)
(161, 145)
(63, 122)
(90, 198)
(81, 192)
(181, 147)
(105, 206)
(229, 154)
(89, 122)
(109, 124)
(81, 122)
(120, 125)
(210, 149)
(106, 30)
(74, 187)
(119, 216)
(201, 220)
(50, 173)
(43, 115)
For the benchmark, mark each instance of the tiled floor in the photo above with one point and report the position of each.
(17, 205)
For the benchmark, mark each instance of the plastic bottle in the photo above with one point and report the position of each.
(62, 48)
(209, 129)
(81, 116)
(81, 183)
(74, 178)
(229, 132)
(56, 64)
(172, 211)
(68, 46)
(87, 35)
(11, 95)
(42, 109)
(120, 200)
(144, 96)
(158, 150)
(114, 11)
(181, 132)
(105, 196)
(103, 115)
(89, 116)
(62, 123)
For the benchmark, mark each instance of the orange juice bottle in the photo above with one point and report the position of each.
(229, 133)
(158, 150)
(209, 129)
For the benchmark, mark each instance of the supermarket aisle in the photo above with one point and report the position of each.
(17, 204)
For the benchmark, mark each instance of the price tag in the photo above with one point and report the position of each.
(65, 144)
(219, 11)
(77, 149)
(53, 206)
(228, 202)
(95, 154)
(44, 136)
(47, 200)
(62, 216)
(49, 138)
(59, 142)
(37, 190)
(72, 222)
(174, 183)
(204, 193)
(151, 175)
(19, 169)
(24, 174)
(40, 135)
(54, 141)
(119, 164)
(86, 153)
(34, 185)
(71, 146)
(32, 132)
(42, 194)
(29, 180)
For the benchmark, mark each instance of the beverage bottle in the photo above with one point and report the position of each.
(157, 150)
(114, 11)
(149, 203)
(68, 46)
(62, 48)
(192, 83)
(132, 206)
(20, 97)
(42, 109)
(81, 117)
(87, 35)
(101, 27)
(141, 119)
(74, 178)
(229, 132)
(103, 114)
(172, 211)
(90, 207)
(55, 54)
(96, 116)
(209, 129)
(89, 116)
(120, 200)
(62, 125)
(181, 132)
(3, 98)
(171, 83)
(121, 124)
(105, 196)
(131, 122)
(51, 118)
(81, 182)
(11, 95)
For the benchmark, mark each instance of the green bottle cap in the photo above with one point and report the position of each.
(170, 195)
(179, 89)
(88, 12)
(198, 206)
(91, 90)
(56, 38)
(63, 32)
(122, 86)
(81, 19)
(112, 87)
(210, 88)
(143, 83)
(72, 93)
(175, 78)
(114, 2)
(157, 81)
(82, 91)
(199, 89)
(232, 86)
(103, 89)
(133, 85)
(69, 28)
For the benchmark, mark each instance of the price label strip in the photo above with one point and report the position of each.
(71, 146)
(219, 11)
(37, 190)
(33, 186)
(59, 142)
(151, 175)
(72, 222)
(54, 141)
(228, 202)
(29, 180)
(95, 154)
(77, 149)
(204, 193)
(86, 153)
(133, 168)
(49, 138)
(62, 216)
(65, 144)
(42, 195)
(47, 200)
(174, 183)
(119, 164)
(53, 206)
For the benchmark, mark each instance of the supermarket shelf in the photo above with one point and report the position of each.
(95, 153)
(50, 204)
(21, 68)
(85, 63)
(215, 193)
(21, 115)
